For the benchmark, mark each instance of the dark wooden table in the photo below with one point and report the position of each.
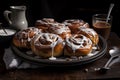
(86, 71)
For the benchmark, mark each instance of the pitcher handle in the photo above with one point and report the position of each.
(6, 15)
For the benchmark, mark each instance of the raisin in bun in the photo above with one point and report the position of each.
(47, 45)
(75, 24)
(90, 33)
(22, 38)
(60, 29)
(77, 45)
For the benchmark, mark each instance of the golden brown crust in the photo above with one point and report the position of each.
(79, 52)
(70, 34)
(43, 44)
(44, 23)
(90, 33)
(60, 29)
(78, 45)
(22, 38)
(47, 52)
(21, 44)
(75, 24)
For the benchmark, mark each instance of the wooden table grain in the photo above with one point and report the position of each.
(83, 72)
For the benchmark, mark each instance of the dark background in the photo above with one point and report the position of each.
(64, 9)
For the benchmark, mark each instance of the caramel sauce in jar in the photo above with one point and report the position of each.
(102, 28)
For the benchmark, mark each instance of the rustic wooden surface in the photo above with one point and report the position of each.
(71, 73)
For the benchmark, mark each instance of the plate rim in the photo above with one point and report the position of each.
(47, 62)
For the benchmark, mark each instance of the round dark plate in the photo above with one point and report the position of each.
(28, 56)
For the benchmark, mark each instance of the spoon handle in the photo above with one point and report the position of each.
(106, 67)
(108, 62)
(109, 12)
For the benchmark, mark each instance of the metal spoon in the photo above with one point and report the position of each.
(109, 12)
(114, 52)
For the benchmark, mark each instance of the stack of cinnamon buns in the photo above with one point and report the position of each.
(72, 37)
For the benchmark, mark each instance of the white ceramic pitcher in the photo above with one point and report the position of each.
(16, 17)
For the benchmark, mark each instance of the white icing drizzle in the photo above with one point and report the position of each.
(89, 31)
(29, 37)
(94, 47)
(69, 22)
(85, 25)
(59, 28)
(77, 41)
(52, 56)
(54, 39)
(46, 21)
(90, 54)
(24, 35)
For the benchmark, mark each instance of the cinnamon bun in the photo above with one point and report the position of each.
(60, 29)
(77, 45)
(44, 23)
(75, 24)
(47, 45)
(90, 33)
(22, 38)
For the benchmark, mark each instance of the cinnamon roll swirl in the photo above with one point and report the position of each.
(60, 29)
(90, 33)
(75, 24)
(22, 38)
(77, 45)
(47, 45)
(44, 23)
